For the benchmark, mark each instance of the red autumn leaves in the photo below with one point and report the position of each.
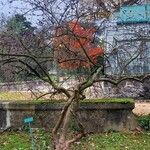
(74, 47)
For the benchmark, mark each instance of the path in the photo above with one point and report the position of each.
(142, 108)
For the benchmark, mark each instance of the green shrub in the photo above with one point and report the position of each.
(144, 122)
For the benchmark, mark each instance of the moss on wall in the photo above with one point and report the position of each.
(108, 100)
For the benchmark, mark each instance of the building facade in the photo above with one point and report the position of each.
(127, 37)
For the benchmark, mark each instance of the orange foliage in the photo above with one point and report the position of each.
(72, 45)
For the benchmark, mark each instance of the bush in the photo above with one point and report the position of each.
(144, 122)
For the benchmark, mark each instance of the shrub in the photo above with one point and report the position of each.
(144, 122)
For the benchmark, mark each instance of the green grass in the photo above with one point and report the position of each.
(14, 141)
(115, 141)
(22, 141)
(107, 141)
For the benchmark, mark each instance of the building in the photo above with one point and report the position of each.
(127, 37)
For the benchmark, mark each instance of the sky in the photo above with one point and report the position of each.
(8, 9)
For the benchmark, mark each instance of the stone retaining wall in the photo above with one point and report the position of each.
(96, 117)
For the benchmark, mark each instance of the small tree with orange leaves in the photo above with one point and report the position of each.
(74, 46)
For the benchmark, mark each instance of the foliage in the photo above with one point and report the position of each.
(78, 42)
(18, 24)
(144, 122)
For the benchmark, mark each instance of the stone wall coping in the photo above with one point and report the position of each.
(59, 106)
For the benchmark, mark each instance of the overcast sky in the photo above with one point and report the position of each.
(8, 9)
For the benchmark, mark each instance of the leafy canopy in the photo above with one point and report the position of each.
(74, 46)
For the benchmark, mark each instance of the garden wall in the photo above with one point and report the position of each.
(96, 117)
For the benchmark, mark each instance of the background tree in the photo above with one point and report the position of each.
(18, 24)
(19, 37)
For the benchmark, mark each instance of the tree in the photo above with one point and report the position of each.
(19, 37)
(72, 45)
(75, 39)
(18, 24)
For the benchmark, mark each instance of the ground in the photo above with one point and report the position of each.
(142, 108)
(106, 141)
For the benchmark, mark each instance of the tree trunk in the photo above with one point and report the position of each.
(61, 143)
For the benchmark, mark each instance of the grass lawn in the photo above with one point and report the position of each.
(107, 141)
(10, 96)
(115, 141)
(18, 96)
(22, 141)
